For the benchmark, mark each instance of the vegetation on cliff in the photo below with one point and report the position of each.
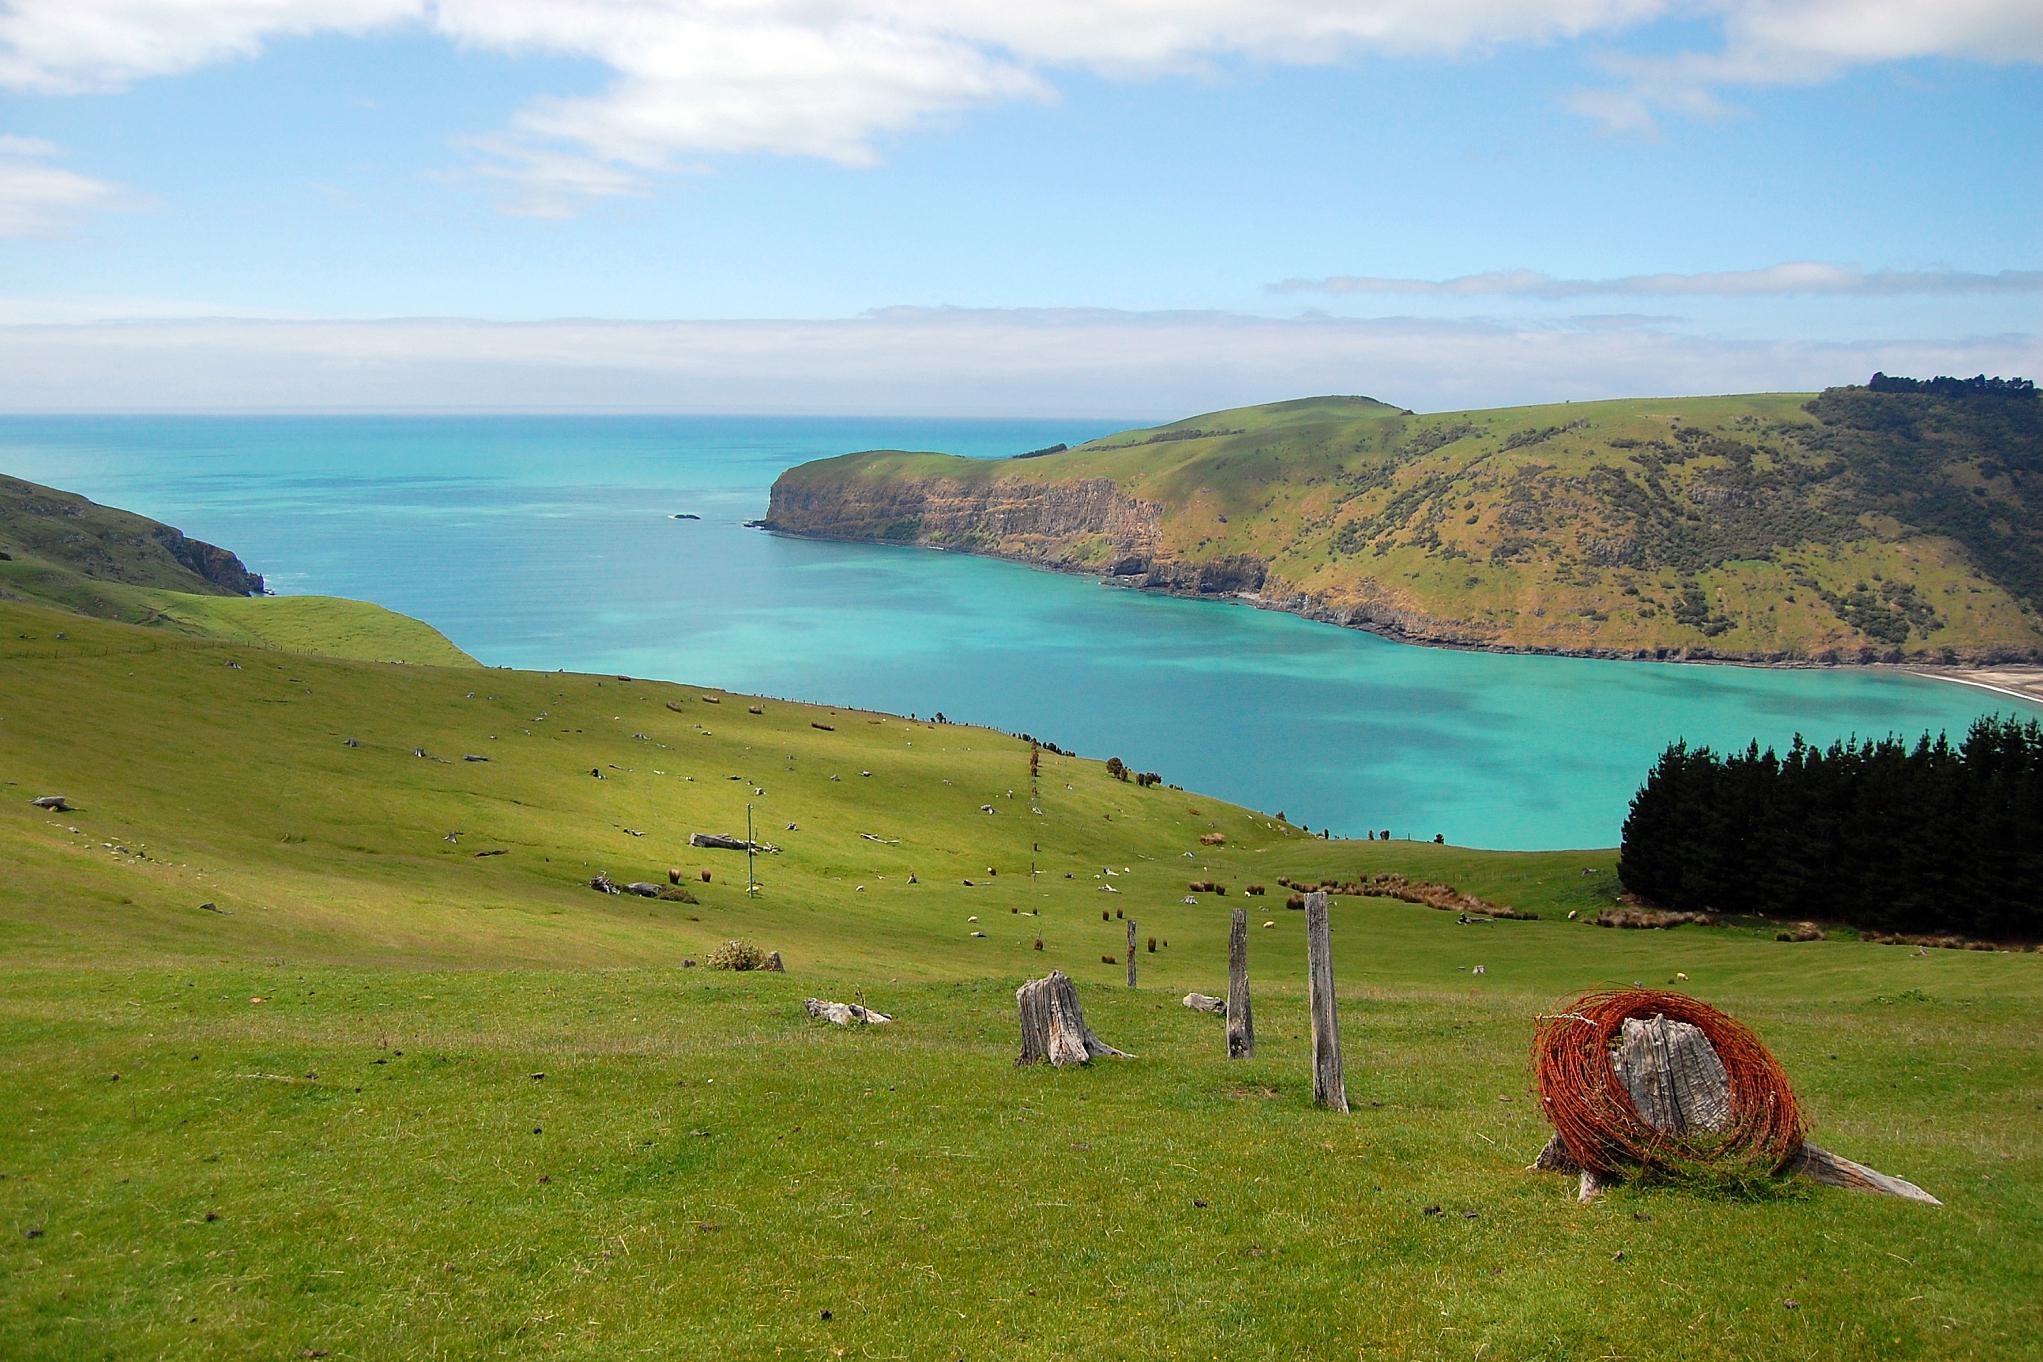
(1896, 521)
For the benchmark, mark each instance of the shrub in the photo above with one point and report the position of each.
(736, 955)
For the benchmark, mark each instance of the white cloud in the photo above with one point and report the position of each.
(1796, 278)
(833, 78)
(71, 46)
(1809, 42)
(38, 198)
(910, 361)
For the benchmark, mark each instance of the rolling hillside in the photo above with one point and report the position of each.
(1859, 524)
(316, 1041)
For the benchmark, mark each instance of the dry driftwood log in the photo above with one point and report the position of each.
(844, 1014)
(1241, 1024)
(1678, 1084)
(1206, 1002)
(718, 842)
(1329, 1083)
(1053, 1024)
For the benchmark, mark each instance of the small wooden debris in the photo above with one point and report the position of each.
(717, 841)
(1206, 1002)
(54, 803)
(844, 1014)
(603, 884)
(1131, 952)
(1053, 1024)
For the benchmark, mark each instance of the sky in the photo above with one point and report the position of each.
(1059, 207)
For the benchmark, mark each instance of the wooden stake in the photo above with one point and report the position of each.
(1241, 1022)
(1131, 952)
(1329, 1085)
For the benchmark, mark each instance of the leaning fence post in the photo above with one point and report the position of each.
(1131, 952)
(1241, 1023)
(1329, 1087)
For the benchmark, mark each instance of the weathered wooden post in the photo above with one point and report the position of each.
(1329, 1086)
(1241, 1023)
(1131, 952)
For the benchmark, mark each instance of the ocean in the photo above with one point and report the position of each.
(549, 542)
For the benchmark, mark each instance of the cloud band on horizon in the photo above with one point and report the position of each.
(1793, 278)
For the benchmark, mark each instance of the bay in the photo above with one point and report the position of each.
(549, 542)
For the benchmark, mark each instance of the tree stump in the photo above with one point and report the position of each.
(1053, 1024)
(1677, 1084)
(1329, 1083)
(1241, 1022)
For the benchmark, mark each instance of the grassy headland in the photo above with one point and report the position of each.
(59, 549)
(1852, 525)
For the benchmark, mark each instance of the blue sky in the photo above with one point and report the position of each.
(1053, 210)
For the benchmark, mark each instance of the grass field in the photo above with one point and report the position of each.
(392, 1098)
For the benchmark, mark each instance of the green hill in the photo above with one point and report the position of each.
(1858, 524)
(61, 550)
(315, 1040)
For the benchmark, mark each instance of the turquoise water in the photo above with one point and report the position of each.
(547, 542)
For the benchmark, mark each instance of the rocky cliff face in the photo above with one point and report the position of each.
(218, 566)
(1088, 525)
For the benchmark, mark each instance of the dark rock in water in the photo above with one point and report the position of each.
(685, 515)
(758, 524)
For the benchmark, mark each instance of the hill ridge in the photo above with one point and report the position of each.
(1855, 525)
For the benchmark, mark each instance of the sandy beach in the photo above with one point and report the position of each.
(2024, 683)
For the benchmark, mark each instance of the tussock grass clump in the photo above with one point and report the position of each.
(1649, 918)
(736, 955)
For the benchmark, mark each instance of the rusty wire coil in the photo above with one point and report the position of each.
(1593, 1112)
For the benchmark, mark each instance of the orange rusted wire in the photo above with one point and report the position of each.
(1597, 1121)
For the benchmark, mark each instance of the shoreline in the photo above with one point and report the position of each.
(2018, 680)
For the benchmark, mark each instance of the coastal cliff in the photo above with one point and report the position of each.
(65, 532)
(1856, 525)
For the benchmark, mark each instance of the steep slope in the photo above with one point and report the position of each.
(60, 550)
(1861, 524)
